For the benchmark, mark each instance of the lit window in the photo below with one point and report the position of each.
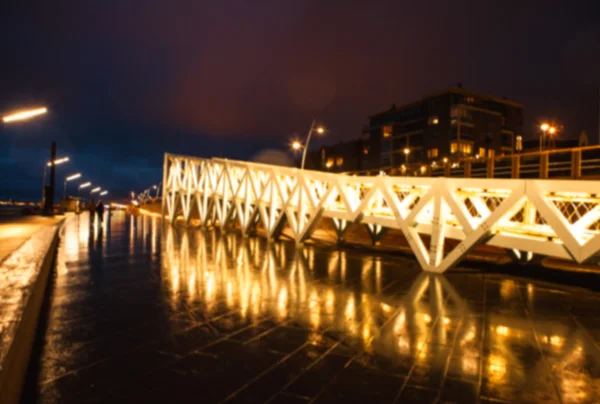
(329, 163)
(467, 148)
(453, 147)
(432, 153)
(387, 131)
(491, 153)
(482, 151)
(339, 161)
(470, 100)
(434, 120)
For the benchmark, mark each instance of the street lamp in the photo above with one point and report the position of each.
(51, 163)
(103, 193)
(97, 189)
(544, 127)
(67, 179)
(547, 129)
(296, 145)
(406, 153)
(24, 114)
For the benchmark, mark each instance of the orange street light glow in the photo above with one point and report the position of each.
(58, 161)
(296, 145)
(320, 130)
(73, 177)
(406, 150)
(544, 127)
(552, 130)
(23, 115)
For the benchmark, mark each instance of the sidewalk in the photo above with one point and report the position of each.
(27, 246)
(14, 231)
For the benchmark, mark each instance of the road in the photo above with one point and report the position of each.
(139, 312)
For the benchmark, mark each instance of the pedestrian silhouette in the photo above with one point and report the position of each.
(100, 211)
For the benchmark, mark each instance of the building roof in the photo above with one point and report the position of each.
(450, 90)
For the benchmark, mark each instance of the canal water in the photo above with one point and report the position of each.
(141, 312)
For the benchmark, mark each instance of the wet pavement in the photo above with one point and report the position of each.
(142, 313)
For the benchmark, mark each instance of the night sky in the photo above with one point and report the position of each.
(126, 81)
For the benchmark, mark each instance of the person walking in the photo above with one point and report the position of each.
(100, 211)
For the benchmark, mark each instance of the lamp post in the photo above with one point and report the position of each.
(544, 127)
(296, 145)
(24, 115)
(57, 162)
(406, 153)
(48, 199)
(67, 179)
(82, 186)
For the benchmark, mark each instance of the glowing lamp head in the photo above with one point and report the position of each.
(73, 177)
(552, 130)
(329, 164)
(58, 161)
(97, 189)
(85, 185)
(320, 130)
(24, 115)
(445, 159)
(544, 127)
(406, 151)
(103, 193)
(296, 145)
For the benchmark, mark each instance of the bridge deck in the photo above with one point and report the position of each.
(141, 312)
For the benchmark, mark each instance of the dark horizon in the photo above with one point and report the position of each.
(128, 81)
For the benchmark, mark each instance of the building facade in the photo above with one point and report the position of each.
(340, 157)
(451, 124)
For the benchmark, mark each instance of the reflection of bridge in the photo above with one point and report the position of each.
(525, 217)
(344, 295)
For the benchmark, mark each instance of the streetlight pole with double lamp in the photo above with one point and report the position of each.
(48, 198)
(67, 179)
(296, 145)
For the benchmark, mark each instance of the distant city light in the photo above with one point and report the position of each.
(23, 115)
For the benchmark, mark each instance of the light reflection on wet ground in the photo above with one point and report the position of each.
(144, 313)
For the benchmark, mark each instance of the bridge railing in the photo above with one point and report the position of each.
(557, 218)
(574, 163)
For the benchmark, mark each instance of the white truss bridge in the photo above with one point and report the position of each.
(555, 218)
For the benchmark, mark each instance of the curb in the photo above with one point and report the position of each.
(16, 361)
